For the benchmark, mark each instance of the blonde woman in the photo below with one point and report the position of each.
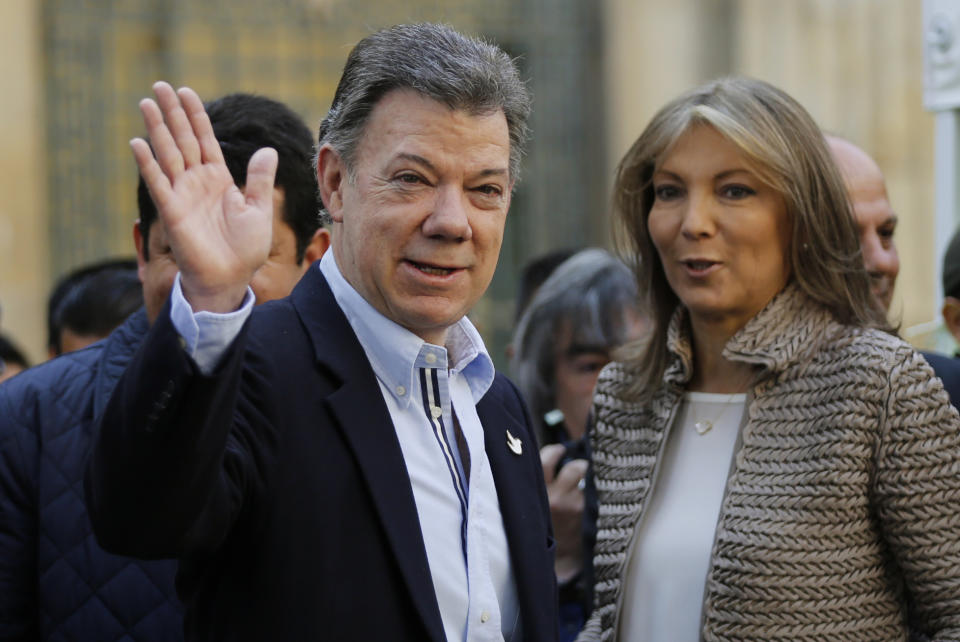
(773, 463)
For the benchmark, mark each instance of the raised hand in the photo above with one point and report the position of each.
(219, 234)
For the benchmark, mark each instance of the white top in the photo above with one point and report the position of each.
(667, 568)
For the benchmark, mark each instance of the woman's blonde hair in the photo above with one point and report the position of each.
(786, 149)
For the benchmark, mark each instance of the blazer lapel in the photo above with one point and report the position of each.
(366, 425)
(524, 517)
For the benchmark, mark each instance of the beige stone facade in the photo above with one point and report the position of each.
(24, 274)
(855, 64)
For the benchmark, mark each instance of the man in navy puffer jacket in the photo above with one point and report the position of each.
(56, 583)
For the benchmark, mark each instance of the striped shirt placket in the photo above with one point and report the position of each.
(430, 389)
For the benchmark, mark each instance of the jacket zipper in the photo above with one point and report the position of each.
(633, 537)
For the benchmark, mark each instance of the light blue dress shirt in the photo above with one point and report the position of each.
(460, 518)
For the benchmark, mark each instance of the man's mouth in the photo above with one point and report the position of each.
(432, 270)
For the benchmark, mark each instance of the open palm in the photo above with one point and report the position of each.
(219, 235)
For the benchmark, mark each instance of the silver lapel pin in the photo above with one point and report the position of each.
(514, 444)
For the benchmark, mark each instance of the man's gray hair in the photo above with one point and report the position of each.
(461, 72)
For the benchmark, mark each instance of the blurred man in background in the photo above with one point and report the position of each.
(90, 302)
(878, 222)
(951, 287)
(874, 215)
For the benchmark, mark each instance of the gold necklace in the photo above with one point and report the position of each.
(703, 426)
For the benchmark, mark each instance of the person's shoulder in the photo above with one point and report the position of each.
(865, 346)
(280, 343)
(942, 363)
(948, 370)
(267, 320)
(872, 355)
(44, 395)
(272, 312)
(504, 388)
(54, 377)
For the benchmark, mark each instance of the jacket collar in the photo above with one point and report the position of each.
(787, 330)
(364, 421)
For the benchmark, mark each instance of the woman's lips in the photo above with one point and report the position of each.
(700, 267)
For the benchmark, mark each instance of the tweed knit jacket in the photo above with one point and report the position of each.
(843, 502)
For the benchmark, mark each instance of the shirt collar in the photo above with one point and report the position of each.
(394, 352)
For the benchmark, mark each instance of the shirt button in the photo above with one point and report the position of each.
(401, 390)
(431, 358)
(436, 411)
(484, 617)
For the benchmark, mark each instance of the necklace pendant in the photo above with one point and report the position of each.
(703, 427)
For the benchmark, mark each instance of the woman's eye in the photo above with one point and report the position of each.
(665, 192)
(736, 191)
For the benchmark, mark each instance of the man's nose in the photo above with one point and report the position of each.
(449, 218)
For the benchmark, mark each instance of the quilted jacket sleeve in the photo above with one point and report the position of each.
(18, 523)
(917, 490)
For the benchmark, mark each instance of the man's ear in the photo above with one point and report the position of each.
(331, 176)
(138, 243)
(951, 316)
(317, 246)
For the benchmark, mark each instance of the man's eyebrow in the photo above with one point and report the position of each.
(416, 159)
(420, 160)
(493, 172)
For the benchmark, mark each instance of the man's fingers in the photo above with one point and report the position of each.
(210, 151)
(571, 474)
(178, 123)
(550, 456)
(260, 176)
(157, 182)
(164, 147)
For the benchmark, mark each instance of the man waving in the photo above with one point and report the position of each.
(344, 464)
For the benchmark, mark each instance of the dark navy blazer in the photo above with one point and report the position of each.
(280, 485)
(948, 369)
